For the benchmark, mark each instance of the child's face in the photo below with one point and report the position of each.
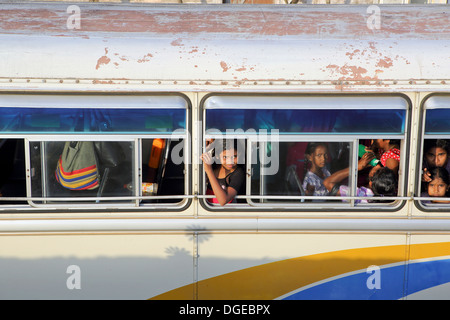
(229, 159)
(436, 157)
(319, 157)
(437, 188)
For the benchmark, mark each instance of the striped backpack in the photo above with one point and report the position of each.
(77, 167)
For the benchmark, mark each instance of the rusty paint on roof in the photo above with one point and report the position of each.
(103, 60)
(258, 20)
(224, 66)
(145, 58)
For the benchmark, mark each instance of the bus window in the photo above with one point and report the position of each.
(163, 171)
(434, 180)
(112, 114)
(320, 170)
(70, 169)
(12, 172)
(84, 151)
(305, 152)
(224, 170)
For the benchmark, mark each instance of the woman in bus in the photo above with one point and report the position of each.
(389, 151)
(435, 155)
(226, 180)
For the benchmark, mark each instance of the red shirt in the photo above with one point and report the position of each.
(394, 153)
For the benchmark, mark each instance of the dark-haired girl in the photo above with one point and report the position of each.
(316, 157)
(224, 181)
(439, 185)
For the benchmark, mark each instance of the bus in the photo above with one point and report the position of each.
(143, 89)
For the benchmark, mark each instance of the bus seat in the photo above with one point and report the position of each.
(293, 184)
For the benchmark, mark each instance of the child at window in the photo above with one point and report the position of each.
(439, 185)
(435, 155)
(383, 182)
(316, 156)
(224, 181)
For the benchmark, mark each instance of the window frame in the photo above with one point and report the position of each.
(398, 201)
(432, 101)
(137, 201)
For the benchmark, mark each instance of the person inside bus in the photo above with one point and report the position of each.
(316, 157)
(382, 182)
(438, 186)
(226, 179)
(435, 155)
(389, 151)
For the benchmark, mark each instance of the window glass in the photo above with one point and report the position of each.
(308, 121)
(91, 114)
(306, 115)
(299, 170)
(12, 173)
(123, 150)
(318, 171)
(163, 170)
(107, 171)
(355, 161)
(69, 169)
(434, 182)
(437, 117)
(224, 163)
(437, 121)
(21, 120)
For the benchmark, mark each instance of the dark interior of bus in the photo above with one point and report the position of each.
(161, 171)
(289, 177)
(168, 176)
(12, 175)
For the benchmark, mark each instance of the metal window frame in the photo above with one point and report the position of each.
(434, 101)
(224, 101)
(95, 101)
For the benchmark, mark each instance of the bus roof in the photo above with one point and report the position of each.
(234, 45)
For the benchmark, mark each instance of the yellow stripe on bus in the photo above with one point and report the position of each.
(272, 280)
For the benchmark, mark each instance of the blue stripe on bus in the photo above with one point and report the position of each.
(421, 276)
